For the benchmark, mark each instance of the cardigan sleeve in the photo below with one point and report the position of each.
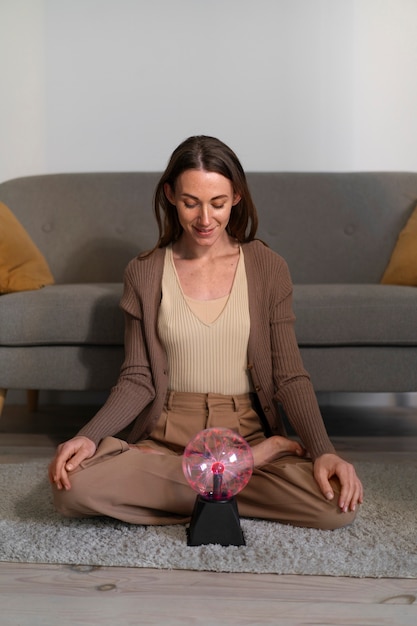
(275, 361)
(134, 388)
(294, 388)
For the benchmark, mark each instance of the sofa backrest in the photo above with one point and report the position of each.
(334, 227)
(88, 226)
(330, 227)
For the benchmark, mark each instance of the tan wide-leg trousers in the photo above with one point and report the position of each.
(136, 485)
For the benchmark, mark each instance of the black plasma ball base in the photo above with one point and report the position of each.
(215, 521)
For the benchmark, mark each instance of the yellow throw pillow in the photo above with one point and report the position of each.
(22, 266)
(402, 267)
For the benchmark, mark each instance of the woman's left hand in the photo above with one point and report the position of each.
(351, 494)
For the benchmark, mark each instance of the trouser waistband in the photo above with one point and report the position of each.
(197, 401)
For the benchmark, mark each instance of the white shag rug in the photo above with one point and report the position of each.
(381, 543)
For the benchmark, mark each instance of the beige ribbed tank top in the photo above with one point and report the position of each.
(206, 342)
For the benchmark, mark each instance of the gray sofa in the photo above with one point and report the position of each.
(336, 231)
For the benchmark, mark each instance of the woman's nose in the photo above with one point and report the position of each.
(204, 215)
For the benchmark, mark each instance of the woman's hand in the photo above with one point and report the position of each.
(328, 465)
(68, 457)
(273, 448)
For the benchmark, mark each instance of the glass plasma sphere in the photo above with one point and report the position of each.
(217, 463)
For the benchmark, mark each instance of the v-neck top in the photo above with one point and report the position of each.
(205, 341)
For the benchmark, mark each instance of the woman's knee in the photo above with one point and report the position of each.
(332, 517)
(68, 502)
(327, 514)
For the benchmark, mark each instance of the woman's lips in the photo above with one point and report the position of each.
(203, 232)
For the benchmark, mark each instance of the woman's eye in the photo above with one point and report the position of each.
(189, 205)
(218, 206)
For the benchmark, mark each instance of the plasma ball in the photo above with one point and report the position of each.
(217, 463)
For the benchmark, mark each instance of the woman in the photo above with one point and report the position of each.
(209, 341)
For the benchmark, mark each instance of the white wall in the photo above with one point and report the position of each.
(385, 85)
(22, 88)
(289, 84)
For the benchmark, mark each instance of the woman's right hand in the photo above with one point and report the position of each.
(68, 457)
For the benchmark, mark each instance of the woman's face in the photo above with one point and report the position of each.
(204, 201)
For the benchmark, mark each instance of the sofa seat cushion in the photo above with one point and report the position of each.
(63, 315)
(326, 315)
(355, 315)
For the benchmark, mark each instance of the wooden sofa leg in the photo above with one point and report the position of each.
(3, 393)
(32, 397)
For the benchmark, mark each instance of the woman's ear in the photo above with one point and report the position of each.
(169, 193)
(236, 199)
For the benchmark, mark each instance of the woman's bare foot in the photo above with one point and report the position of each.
(273, 448)
(145, 449)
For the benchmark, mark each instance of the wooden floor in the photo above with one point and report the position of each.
(62, 595)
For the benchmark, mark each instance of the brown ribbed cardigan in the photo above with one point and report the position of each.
(274, 360)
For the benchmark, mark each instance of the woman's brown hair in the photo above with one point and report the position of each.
(212, 155)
